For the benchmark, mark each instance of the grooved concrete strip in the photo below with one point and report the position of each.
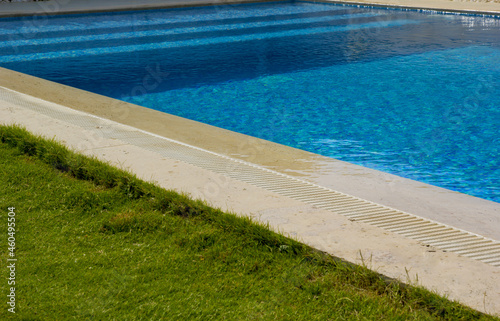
(355, 208)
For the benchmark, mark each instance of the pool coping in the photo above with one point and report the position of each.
(56, 7)
(448, 207)
(462, 7)
(61, 7)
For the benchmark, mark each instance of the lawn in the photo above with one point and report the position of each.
(93, 242)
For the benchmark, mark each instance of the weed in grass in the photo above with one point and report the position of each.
(131, 221)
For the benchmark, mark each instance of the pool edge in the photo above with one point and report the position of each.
(44, 8)
(61, 7)
(448, 207)
(406, 5)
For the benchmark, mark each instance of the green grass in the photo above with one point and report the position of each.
(96, 243)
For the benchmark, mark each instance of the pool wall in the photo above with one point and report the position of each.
(469, 7)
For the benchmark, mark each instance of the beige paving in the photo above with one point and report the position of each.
(459, 210)
(50, 7)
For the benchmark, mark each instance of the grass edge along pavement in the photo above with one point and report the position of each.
(321, 276)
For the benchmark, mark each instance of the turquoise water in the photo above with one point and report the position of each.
(410, 93)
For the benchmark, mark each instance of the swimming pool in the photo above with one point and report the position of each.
(416, 94)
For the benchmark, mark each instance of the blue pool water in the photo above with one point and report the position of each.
(416, 94)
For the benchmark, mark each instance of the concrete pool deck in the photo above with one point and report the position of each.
(471, 282)
(52, 7)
